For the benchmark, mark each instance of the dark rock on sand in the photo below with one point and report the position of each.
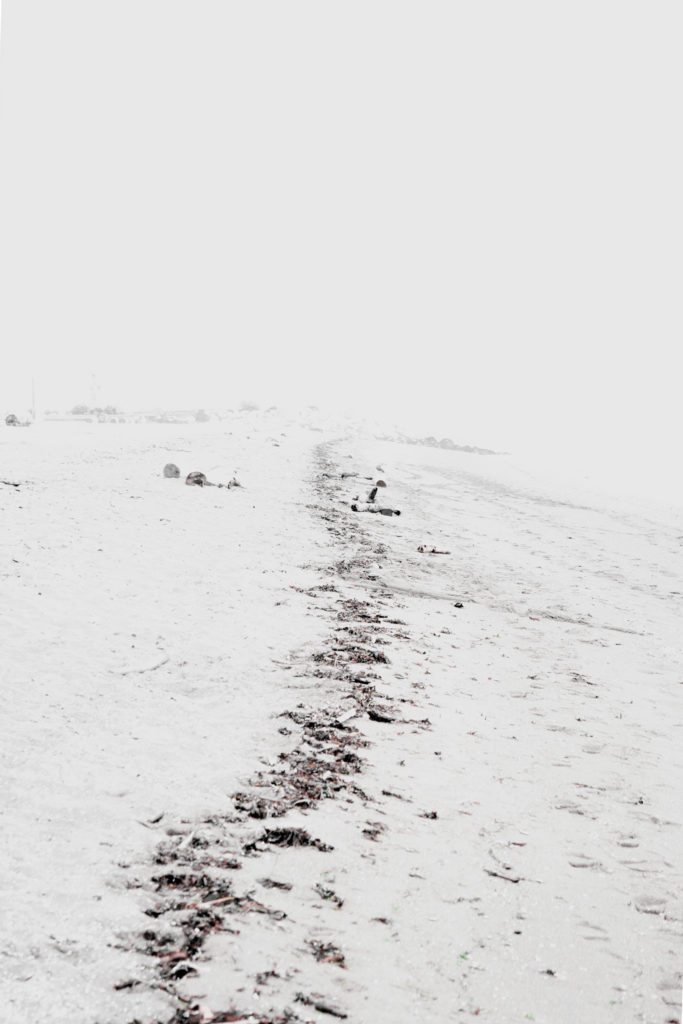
(196, 479)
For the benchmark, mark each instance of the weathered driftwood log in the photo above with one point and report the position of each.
(382, 511)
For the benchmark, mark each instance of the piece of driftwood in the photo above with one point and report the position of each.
(197, 479)
(370, 507)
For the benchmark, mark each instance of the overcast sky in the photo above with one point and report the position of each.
(464, 215)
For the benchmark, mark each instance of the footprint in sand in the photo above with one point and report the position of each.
(643, 867)
(582, 860)
(674, 910)
(671, 983)
(627, 839)
(649, 904)
(597, 932)
(571, 806)
(670, 987)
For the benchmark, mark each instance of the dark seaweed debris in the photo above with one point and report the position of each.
(324, 762)
(374, 829)
(326, 952)
(270, 883)
(329, 895)
(287, 837)
(321, 1004)
(196, 1015)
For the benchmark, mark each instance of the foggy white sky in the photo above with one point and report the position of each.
(466, 216)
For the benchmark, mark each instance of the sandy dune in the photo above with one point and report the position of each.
(506, 831)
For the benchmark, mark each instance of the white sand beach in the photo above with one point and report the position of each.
(488, 738)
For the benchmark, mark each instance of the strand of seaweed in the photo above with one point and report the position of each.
(194, 894)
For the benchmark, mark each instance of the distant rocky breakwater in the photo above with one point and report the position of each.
(431, 442)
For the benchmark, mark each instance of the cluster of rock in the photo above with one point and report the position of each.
(196, 478)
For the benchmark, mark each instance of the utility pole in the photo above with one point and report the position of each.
(94, 391)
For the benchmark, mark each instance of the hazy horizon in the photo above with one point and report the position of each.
(460, 219)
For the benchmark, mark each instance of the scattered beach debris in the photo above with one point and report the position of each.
(195, 904)
(287, 837)
(398, 796)
(498, 874)
(374, 829)
(198, 479)
(431, 551)
(263, 977)
(321, 1004)
(9, 483)
(146, 668)
(378, 714)
(326, 952)
(323, 764)
(151, 822)
(369, 507)
(171, 471)
(329, 895)
(131, 983)
(270, 883)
